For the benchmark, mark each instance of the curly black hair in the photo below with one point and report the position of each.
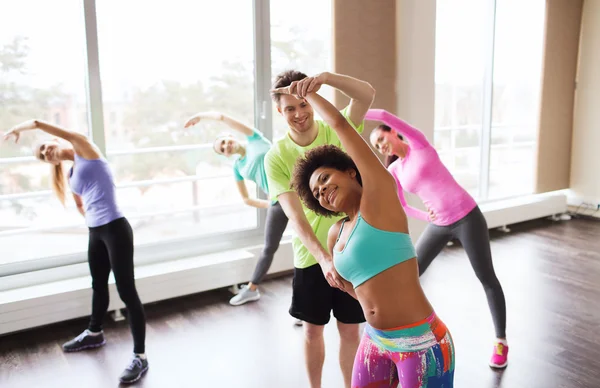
(322, 156)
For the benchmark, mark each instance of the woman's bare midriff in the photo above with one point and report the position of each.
(394, 297)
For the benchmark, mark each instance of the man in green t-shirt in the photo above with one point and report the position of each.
(317, 288)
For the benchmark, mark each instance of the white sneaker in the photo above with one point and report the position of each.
(246, 295)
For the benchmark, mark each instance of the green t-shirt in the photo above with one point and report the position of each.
(251, 166)
(279, 165)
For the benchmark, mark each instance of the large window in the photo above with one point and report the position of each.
(301, 42)
(487, 74)
(459, 78)
(172, 184)
(152, 72)
(42, 75)
(518, 51)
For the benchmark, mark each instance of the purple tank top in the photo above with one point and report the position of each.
(93, 181)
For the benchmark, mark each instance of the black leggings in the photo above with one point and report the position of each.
(111, 247)
(274, 228)
(472, 232)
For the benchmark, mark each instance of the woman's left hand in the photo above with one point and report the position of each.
(310, 85)
(303, 87)
(17, 129)
(431, 215)
(192, 121)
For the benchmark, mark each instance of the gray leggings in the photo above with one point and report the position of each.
(472, 232)
(274, 228)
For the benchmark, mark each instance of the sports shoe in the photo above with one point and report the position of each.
(246, 295)
(135, 370)
(84, 341)
(500, 356)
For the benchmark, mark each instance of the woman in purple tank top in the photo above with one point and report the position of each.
(110, 235)
(453, 213)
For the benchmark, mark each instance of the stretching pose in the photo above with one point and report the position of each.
(317, 290)
(453, 213)
(404, 341)
(250, 165)
(110, 239)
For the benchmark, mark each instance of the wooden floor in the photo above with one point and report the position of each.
(551, 277)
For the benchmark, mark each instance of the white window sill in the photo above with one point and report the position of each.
(43, 302)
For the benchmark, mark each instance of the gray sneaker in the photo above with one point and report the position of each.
(134, 371)
(84, 341)
(246, 295)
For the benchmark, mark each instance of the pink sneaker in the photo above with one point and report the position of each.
(500, 356)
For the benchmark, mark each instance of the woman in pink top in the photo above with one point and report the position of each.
(452, 212)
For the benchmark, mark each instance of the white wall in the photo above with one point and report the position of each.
(415, 80)
(585, 155)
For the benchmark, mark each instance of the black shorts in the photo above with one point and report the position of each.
(313, 299)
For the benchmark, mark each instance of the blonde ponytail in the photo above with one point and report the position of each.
(58, 181)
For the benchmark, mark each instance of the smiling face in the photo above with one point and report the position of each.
(386, 142)
(49, 152)
(297, 112)
(335, 190)
(327, 181)
(226, 145)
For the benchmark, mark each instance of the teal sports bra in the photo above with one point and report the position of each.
(370, 251)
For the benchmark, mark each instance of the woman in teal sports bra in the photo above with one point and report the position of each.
(404, 341)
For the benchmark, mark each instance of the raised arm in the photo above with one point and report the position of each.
(254, 202)
(81, 144)
(410, 133)
(216, 116)
(361, 93)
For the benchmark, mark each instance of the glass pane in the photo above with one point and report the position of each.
(501, 134)
(467, 138)
(300, 41)
(443, 140)
(459, 74)
(466, 160)
(468, 103)
(505, 167)
(447, 158)
(42, 75)
(154, 77)
(444, 106)
(519, 34)
(469, 180)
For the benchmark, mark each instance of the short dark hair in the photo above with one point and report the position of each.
(322, 156)
(390, 158)
(284, 79)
